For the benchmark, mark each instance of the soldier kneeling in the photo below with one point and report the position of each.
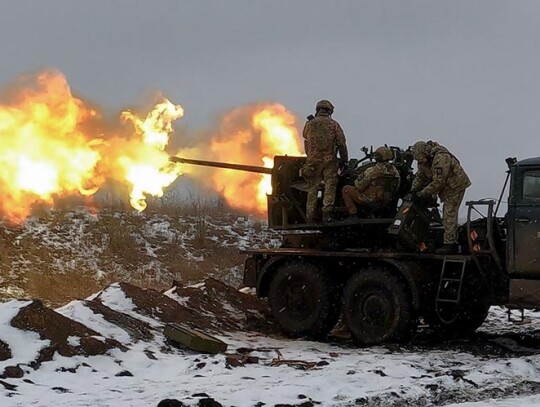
(376, 187)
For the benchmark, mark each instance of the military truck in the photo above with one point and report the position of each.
(380, 271)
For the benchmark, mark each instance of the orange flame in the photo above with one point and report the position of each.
(50, 148)
(250, 135)
(53, 145)
(148, 169)
(43, 151)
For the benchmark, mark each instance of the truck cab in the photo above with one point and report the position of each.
(523, 233)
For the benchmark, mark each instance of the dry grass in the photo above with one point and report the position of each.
(57, 289)
(112, 246)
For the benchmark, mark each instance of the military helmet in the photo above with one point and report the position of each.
(383, 154)
(420, 149)
(324, 104)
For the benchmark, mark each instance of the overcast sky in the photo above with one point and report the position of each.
(464, 73)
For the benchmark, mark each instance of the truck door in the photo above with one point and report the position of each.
(524, 218)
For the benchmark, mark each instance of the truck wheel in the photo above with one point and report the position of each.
(377, 307)
(450, 319)
(304, 301)
(468, 321)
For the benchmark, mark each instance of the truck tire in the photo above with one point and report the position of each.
(459, 320)
(468, 321)
(303, 300)
(377, 307)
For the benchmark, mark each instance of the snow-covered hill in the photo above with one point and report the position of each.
(73, 254)
(60, 346)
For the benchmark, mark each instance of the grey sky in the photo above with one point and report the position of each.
(464, 73)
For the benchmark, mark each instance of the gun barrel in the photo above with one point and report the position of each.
(238, 167)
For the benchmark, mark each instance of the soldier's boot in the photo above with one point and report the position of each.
(448, 248)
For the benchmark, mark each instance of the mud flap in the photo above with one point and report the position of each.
(193, 339)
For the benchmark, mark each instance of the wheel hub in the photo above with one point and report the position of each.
(376, 310)
(297, 302)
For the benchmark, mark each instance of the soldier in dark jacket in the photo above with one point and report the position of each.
(440, 173)
(324, 138)
(375, 186)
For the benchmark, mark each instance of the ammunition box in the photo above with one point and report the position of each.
(411, 226)
(194, 339)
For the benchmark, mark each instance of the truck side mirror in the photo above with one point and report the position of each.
(510, 161)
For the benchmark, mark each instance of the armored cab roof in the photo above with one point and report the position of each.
(529, 161)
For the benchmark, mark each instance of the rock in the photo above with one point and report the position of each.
(12, 372)
(8, 386)
(209, 402)
(170, 403)
(124, 373)
(5, 352)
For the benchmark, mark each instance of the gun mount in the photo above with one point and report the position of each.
(287, 202)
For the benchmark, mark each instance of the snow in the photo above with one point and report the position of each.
(115, 298)
(287, 371)
(24, 345)
(171, 294)
(77, 311)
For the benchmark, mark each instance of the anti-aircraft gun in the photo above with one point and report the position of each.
(287, 202)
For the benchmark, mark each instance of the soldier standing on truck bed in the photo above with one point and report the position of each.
(324, 138)
(440, 173)
(377, 185)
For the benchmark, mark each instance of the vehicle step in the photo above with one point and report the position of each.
(447, 300)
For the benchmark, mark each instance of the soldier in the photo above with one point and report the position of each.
(323, 139)
(440, 173)
(376, 185)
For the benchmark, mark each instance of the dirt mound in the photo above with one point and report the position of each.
(231, 308)
(213, 306)
(122, 315)
(57, 333)
(138, 330)
(67, 337)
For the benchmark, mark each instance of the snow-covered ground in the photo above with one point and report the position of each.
(499, 367)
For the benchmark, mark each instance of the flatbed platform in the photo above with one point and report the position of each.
(336, 224)
(364, 253)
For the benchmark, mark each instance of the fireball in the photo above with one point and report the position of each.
(43, 151)
(147, 168)
(54, 145)
(250, 135)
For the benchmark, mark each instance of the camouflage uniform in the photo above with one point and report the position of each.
(377, 184)
(444, 176)
(323, 138)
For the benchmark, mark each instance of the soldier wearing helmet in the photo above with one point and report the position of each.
(324, 139)
(376, 186)
(441, 174)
